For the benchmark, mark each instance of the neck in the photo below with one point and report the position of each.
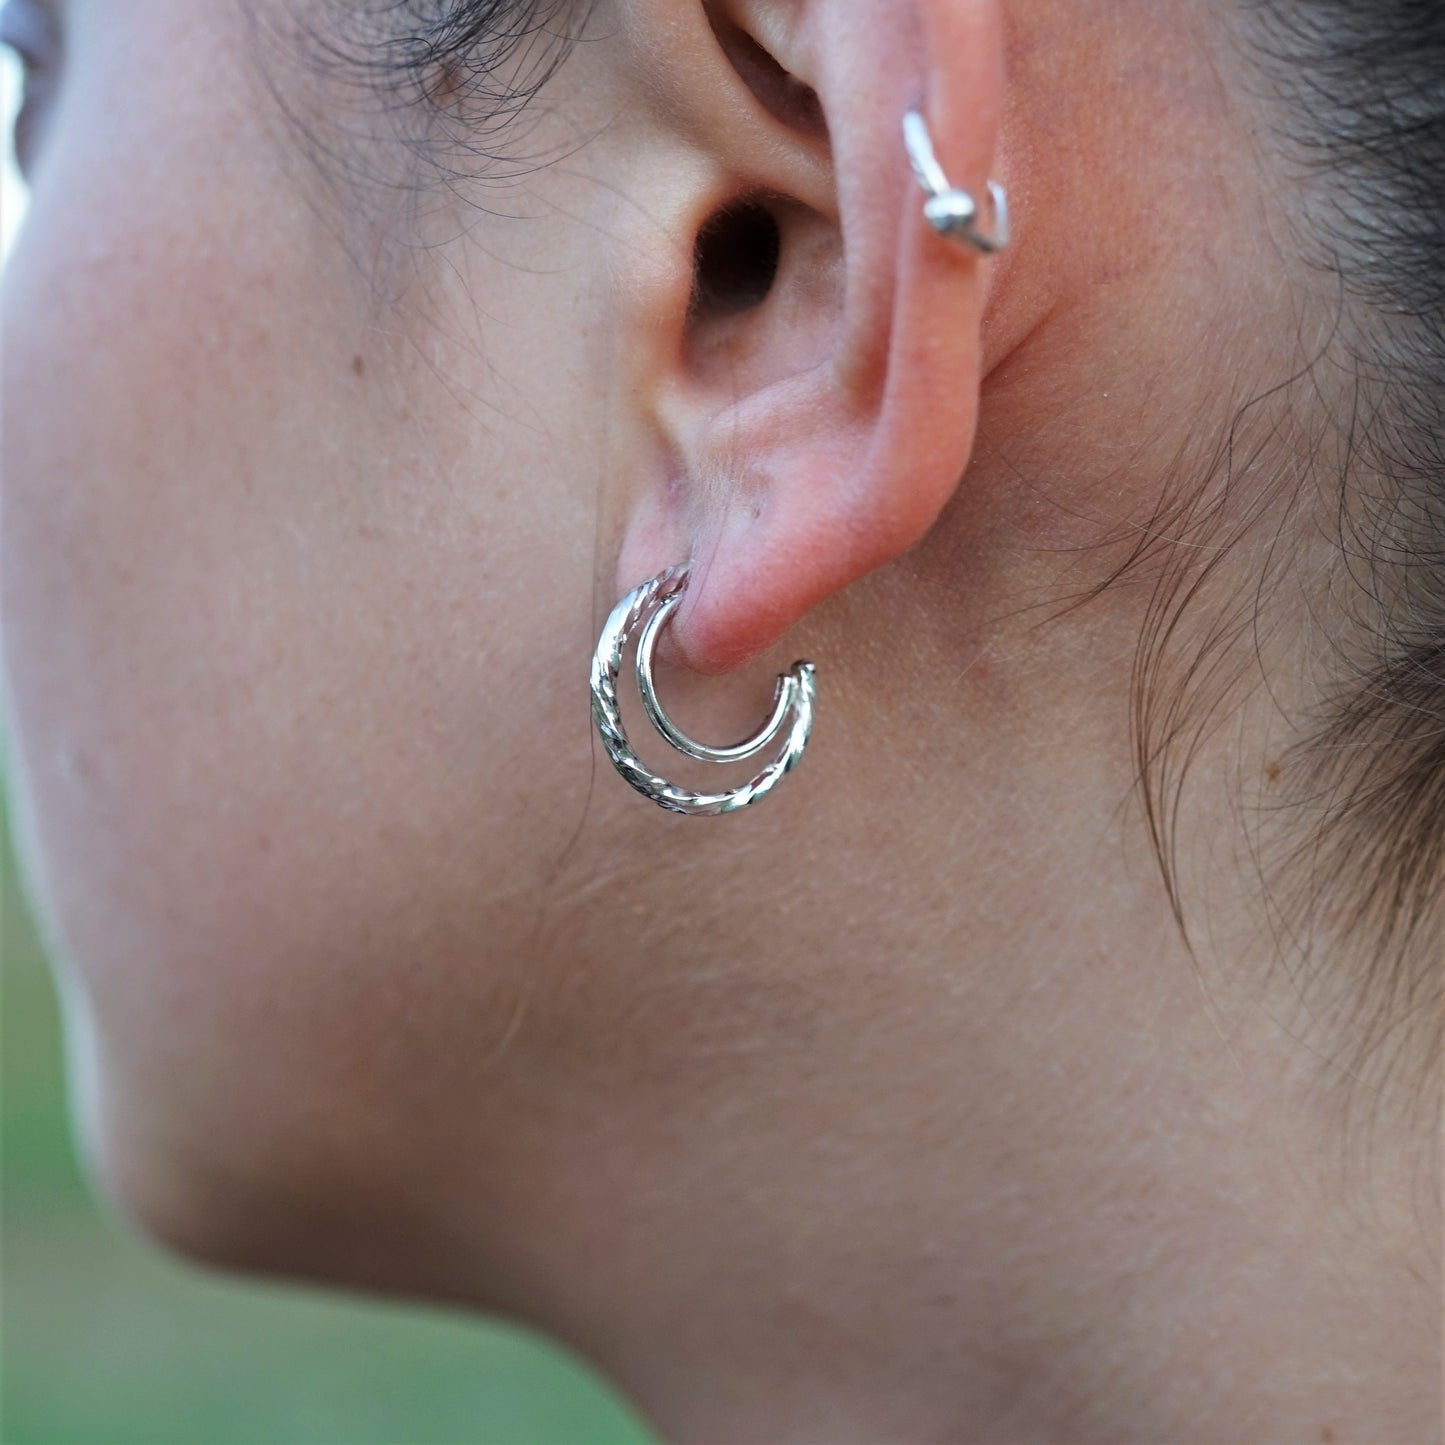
(1004, 1161)
(1156, 1257)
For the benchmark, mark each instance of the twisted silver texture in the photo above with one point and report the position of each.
(649, 607)
(950, 211)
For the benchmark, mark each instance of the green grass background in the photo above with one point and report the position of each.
(104, 1341)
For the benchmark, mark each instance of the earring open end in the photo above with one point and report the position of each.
(952, 212)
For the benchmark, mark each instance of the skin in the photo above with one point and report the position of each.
(896, 1108)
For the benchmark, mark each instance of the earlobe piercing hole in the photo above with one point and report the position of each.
(736, 260)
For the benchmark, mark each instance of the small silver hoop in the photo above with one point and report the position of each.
(646, 648)
(950, 211)
(649, 607)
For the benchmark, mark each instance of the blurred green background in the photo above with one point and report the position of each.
(107, 1342)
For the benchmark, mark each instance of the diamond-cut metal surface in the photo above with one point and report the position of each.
(627, 617)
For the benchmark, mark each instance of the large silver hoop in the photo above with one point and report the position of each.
(648, 607)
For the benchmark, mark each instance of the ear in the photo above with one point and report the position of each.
(806, 347)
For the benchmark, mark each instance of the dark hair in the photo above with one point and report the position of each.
(416, 94)
(1359, 106)
(1347, 825)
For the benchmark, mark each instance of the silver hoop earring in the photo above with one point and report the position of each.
(950, 211)
(649, 607)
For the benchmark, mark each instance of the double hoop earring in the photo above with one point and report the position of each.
(648, 608)
(953, 213)
(950, 211)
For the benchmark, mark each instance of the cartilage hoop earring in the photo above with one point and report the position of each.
(649, 607)
(950, 211)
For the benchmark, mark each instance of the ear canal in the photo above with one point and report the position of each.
(735, 260)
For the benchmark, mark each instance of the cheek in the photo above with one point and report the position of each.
(290, 710)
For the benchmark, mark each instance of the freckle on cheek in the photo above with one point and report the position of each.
(358, 365)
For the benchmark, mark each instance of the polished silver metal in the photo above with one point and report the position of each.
(950, 211)
(649, 607)
(783, 700)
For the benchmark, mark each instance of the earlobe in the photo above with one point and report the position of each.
(822, 421)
